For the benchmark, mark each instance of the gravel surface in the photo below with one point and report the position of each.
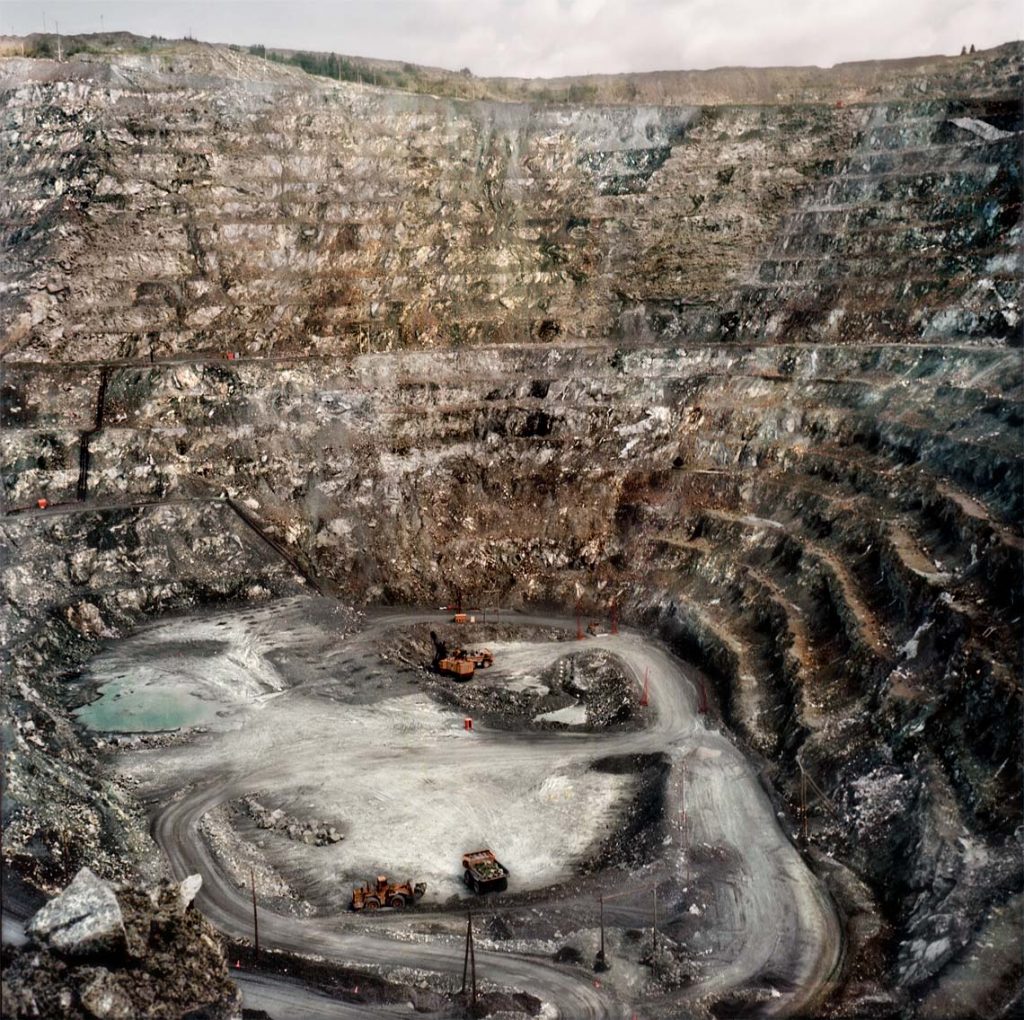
(413, 789)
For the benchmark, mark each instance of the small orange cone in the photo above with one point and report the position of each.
(238, 964)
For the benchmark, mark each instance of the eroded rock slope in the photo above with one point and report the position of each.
(751, 371)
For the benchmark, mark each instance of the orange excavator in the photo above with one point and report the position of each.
(459, 663)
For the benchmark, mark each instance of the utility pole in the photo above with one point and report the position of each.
(654, 928)
(685, 832)
(803, 803)
(469, 963)
(472, 964)
(255, 919)
(601, 963)
(56, 25)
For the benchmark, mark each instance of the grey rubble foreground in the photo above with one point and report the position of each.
(96, 951)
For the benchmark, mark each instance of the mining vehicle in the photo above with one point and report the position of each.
(386, 894)
(483, 872)
(464, 664)
(459, 663)
(456, 666)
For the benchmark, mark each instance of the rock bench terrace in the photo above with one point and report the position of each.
(741, 357)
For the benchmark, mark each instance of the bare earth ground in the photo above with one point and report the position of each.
(317, 723)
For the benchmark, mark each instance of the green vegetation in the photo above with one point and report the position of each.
(462, 84)
(413, 79)
(330, 65)
(45, 46)
(575, 93)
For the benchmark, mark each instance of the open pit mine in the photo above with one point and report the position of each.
(578, 528)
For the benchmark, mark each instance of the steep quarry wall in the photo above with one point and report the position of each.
(155, 214)
(751, 371)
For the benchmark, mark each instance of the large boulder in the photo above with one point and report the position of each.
(167, 962)
(188, 888)
(84, 920)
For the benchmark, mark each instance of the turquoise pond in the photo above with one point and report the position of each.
(126, 707)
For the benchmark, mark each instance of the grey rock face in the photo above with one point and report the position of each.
(171, 965)
(103, 999)
(189, 888)
(813, 496)
(313, 832)
(83, 920)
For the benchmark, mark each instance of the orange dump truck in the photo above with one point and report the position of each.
(457, 666)
(483, 872)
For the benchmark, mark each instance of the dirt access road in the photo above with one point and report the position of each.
(776, 927)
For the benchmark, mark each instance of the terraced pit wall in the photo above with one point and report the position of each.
(751, 371)
(251, 207)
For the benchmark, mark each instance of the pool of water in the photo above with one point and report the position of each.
(198, 669)
(127, 707)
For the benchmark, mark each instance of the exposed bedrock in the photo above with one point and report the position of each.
(750, 372)
(156, 213)
(118, 952)
(69, 582)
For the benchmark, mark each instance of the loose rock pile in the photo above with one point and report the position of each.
(670, 964)
(597, 679)
(111, 952)
(313, 832)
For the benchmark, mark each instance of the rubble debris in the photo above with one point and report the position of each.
(311, 831)
(103, 952)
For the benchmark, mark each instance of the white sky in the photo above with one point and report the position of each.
(546, 38)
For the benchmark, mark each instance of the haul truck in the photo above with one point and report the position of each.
(483, 872)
